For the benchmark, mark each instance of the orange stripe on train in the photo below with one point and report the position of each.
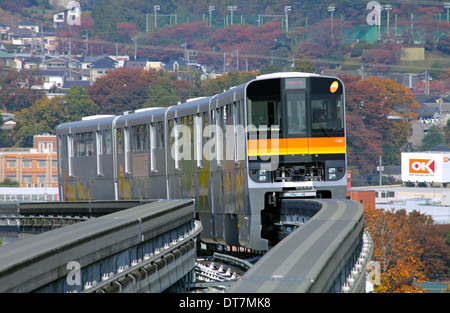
(284, 146)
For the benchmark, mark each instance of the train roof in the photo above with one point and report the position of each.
(286, 75)
(142, 116)
(87, 123)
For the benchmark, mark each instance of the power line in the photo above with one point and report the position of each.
(261, 57)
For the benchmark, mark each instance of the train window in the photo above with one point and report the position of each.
(220, 116)
(153, 139)
(198, 144)
(175, 144)
(296, 114)
(239, 131)
(328, 113)
(107, 142)
(126, 144)
(264, 114)
(99, 142)
(70, 153)
(84, 144)
(160, 135)
(120, 140)
(139, 138)
(230, 129)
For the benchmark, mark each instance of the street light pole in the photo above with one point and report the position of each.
(156, 8)
(447, 6)
(232, 8)
(388, 7)
(211, 8)
(331, 9)
(286, 10)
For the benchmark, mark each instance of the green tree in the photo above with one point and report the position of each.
(79, 104)
(433, 138)
(225, 82)
(162, 93)
(447, 132)
(43, 116)
(8, 182)
(303, 64)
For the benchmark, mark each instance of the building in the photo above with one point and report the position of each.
(433, 201)
(365, 197)
(101, 67)
(36, 167)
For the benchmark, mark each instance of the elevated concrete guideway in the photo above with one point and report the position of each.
(107, 251)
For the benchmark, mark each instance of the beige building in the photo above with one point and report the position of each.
(36, 167)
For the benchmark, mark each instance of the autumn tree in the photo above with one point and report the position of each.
(121, 90)
(396, 250)
(435, 257)
(17, 89)
(378, 112)
(385, 54)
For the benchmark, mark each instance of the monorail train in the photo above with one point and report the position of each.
(244, 155)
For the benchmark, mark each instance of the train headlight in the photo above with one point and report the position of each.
(262, 175)
(332, 173)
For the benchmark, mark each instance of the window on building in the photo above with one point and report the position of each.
(26, 163)
(11, 163)
(27, 179)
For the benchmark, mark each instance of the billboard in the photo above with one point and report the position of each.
(426, 167)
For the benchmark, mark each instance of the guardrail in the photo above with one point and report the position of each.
(317, 257)
(74, 257)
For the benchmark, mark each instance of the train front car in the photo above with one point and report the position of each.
(295, 149)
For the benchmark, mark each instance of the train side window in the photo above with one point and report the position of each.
(126, 137)
(107, 142)
(89, 143)
(240, 131)
(70, 153)
(153, 139)
(230, 132)
(80, 144)
(120, 140)
(139, 138)
(198, 144)
(160, 135)
(99, 143)
(84, 144)
(175, 149)
(219, 135)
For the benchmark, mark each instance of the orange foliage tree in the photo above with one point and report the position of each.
(395, 249)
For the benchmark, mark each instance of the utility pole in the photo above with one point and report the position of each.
(380, 169)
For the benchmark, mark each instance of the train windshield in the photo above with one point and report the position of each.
(264, 106)
(327, 106)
